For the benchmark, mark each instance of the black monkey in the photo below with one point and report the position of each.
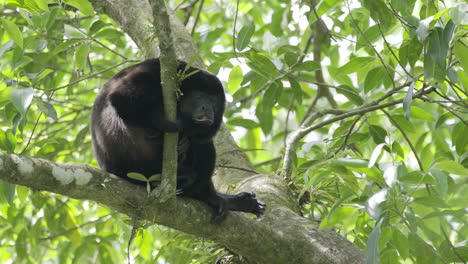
(128, 123)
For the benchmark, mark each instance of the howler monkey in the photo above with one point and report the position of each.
(128, 123)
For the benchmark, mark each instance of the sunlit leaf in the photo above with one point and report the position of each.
(372, 245)
(22, 98)
(245, 34)
(451, 166)
(13, 31)
(355, 65)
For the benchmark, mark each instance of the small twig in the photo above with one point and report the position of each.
(90, 76)
(103, 218)
(348, 134)
(267, 162)
(197, 17)
(413, 149)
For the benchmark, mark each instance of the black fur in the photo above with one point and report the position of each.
(128, 123)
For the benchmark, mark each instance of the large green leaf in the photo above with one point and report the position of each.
(13, 31)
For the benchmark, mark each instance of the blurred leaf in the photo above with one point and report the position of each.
(441, 181)
(307, 66)
(375, 154)
(296, 89)
(378, 134)
(245, 123)
(407, 101)
(401, 243)
(374, 78)
(22, 98)
(83, 5)
(47, 109)
(423, 29)
(372, 245)
(355, 64)
(13, 31)
(431, 201)
(245, 34)
(235, 79)
(451, 166)
(459, 137)
(461, 52)
(7, 190)
(262, 65)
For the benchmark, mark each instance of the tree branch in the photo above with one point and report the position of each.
(298, 243)
(169, 89)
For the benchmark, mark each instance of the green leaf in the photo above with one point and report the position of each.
(13, 31)
(83, 5)
(422, 114)
(7, 141)
(296, 89)
(245, 123)
(81, 56)
(438, 48)
(355, 163)
(42, 75)
(307, 66)
(423, 29)
(22, 98)
(441, 181)
(235, 79)
(355, 65)
(8, 192)
(371, 35)
(401, 243)
(407, 101)
(374, 78)
(461, 53)
(155, 178)
(47, 109)
(378, 134)
(451, 166)
(262, 65)
(245, 34)
(42, 4)
(429, 67)
(459, 137)
(266, 119)
(137, 176)
(379, 12)
(431, 201)
(416, 177)
(404, 124)
(459, 13)
(375, 155)
(271, 96)
(353, 94)
(275, 26)
(372, 245)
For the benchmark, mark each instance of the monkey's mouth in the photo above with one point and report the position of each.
(203, 120)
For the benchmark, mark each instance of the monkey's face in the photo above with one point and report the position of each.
(198, 107)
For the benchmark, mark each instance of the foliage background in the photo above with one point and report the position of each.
(392, 181)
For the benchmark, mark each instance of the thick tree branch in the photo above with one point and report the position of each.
(281, 237)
